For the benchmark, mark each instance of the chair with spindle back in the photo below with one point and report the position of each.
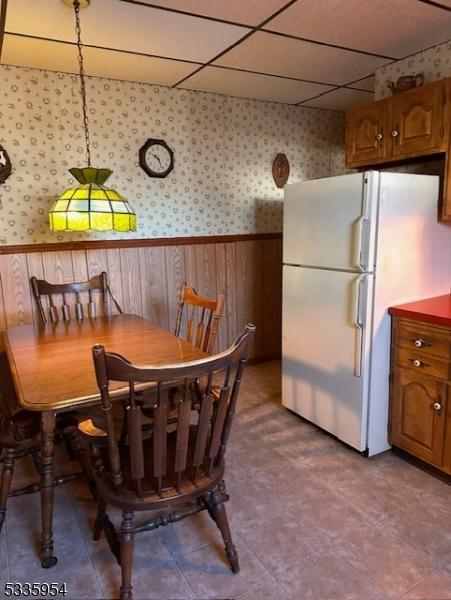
(20, 437)
(202, 318)
(178, 469)
(52, 291)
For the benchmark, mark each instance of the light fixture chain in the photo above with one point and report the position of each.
(82, 79)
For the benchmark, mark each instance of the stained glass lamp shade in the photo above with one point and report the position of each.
(91, 205)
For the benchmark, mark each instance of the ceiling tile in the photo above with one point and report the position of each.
(250, 12)
(39, 54)
(277, 55)
(340, 99)
(364, 84)
(250, 85)
(124, 26)
(56, 56)
(391, 28)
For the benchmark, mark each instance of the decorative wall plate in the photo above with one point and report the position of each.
(280, 170)
(5, 165)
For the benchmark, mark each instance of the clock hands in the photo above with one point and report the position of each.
(158, 158)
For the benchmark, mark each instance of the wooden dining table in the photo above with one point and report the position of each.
(53, 372)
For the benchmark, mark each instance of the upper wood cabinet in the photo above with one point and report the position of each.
(366, 134)
(409, 125)
(418, 121)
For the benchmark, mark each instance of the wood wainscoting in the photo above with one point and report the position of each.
(145, 277)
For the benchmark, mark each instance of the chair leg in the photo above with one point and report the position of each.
(98, 523)
(78, 450)
(5, 485)
(127, 541)
(216, 508)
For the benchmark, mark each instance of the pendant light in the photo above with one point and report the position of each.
(91, 205)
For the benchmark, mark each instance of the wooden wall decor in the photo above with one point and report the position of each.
(280, 169)
(5, 165)
(145, 279)
(406, 82)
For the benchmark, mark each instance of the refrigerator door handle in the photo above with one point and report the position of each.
(360, 310)
(358, 246)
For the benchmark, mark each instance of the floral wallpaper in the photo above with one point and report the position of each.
(434, 62)
(223, 146)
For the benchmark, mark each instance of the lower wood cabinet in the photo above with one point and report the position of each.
(420, 404)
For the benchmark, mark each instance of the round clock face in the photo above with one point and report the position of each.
(156, 158)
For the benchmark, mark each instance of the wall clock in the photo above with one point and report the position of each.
(156, 158)
(5, 165)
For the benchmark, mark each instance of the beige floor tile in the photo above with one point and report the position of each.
(190, 534)
(327, 577)
(385, 560)
(155, 572)
(270, 590)
(208, 573)
(3, 560)
(425, 528)
(281, 539)
(436, 586)
(73, 566)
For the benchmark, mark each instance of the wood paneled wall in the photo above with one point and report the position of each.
(145, 280)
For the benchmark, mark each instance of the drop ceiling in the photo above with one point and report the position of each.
(320, 53)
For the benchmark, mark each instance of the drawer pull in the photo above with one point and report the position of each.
(416, 362)
(419, 342)
(437, 406)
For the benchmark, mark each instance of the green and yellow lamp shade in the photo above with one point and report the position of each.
(91, 205)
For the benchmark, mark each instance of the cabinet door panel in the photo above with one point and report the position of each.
(366, 134)
(418, 121)
(417, 424)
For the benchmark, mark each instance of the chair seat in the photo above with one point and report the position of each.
(149, 498)
(22, 429)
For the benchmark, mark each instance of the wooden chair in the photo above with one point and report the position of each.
(70, 296)
(178, 469)
(202, 318)
(20, 437)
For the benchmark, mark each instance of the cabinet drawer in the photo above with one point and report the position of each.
(424, 340)
(425, 364)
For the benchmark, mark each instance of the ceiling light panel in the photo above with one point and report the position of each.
(391, 28)
(340, 99)
(125, 26)
(56, 56)
(249, 12)
(251, 85)
(278, 55)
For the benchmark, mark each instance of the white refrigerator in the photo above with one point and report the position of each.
(353, 246)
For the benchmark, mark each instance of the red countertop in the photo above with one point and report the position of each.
(432, 310)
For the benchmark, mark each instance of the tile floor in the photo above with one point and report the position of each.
(311, 520)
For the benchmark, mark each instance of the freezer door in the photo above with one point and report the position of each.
(330, 222)
(325, 349)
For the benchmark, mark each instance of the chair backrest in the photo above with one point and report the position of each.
(73, 296)
(184, 455)
(202, 316)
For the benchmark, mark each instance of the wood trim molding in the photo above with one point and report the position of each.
(138, 243)
(3, 6)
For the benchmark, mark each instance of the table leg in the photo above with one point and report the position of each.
(48, 423)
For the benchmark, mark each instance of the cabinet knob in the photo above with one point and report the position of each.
(379, 136)
(395, 133)
(437, 406)
(418, 343)
(417, 363)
